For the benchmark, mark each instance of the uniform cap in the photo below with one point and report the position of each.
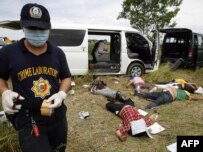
(35, 15)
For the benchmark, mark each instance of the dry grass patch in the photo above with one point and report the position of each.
(97, 133)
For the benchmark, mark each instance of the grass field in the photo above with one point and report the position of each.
(97, 133)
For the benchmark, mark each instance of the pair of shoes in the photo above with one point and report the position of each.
(119, 96)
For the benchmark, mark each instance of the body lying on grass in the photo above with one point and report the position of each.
(178, 83)
(99, 87)
(127, 111)
(138, 83)
(168, 95)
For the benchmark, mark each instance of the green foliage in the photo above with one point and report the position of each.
(164, 74)
(8, 138)
(198, 75)
(148, 15)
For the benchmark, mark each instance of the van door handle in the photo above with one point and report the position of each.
(83, 48)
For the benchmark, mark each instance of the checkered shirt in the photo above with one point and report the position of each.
(128, 114)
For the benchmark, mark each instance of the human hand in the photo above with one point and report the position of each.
(154, 116)
(8, 101)
(57, 98)
(142, 107)
(120, 136)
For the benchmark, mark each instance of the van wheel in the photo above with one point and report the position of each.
(135, 69)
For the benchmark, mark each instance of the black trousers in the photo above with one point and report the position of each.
(52, 138)
(116, 107)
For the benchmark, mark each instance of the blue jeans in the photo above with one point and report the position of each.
(158, 98)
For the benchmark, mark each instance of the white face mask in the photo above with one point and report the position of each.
(36, 38)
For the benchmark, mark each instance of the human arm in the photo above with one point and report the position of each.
(9, 97)
(3, 85)
(129, 83)
(120, 136)
(122, 132)
(65, 85)
(59, 97)
(151, 119)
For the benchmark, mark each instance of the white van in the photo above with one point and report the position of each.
(103, 50)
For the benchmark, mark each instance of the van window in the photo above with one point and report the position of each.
(200, 42)
(135, 42)
(138, 47)
(111, 46)
(95, 38)
(171, 40)
(61, 37)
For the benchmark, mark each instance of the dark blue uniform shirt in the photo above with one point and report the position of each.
(34, 77)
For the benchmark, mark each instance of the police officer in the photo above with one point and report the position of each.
(40, 78)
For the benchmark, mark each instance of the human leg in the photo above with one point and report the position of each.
(150, 95)
(27, 140)
(120, 96)
(107, 92)
(164, 97)
(114, 108)
(29, 143)
(129, 102)
(58, 135)
(153, 95)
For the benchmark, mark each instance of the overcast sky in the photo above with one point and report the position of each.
(99, 12)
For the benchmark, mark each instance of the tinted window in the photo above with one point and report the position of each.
(171, 40)
(61, 37)
(136, 43)
(200, 42)
(135, 39)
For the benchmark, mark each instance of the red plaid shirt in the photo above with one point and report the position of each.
(128, 114)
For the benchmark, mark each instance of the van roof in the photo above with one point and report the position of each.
(94, 27)
(174, 30)
(15, 25)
